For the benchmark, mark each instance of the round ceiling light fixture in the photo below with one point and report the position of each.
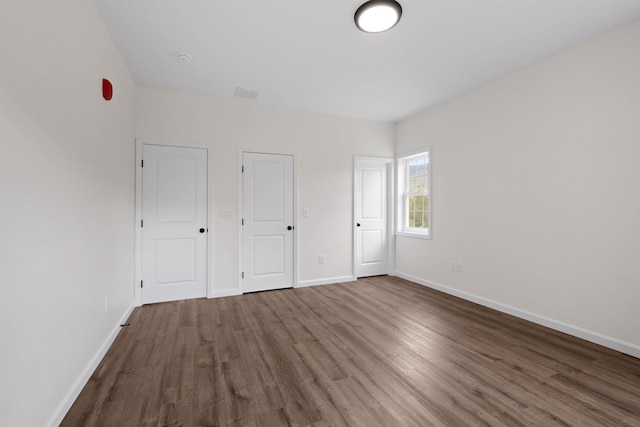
(376, 16)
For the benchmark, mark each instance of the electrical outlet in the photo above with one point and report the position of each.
(305, 212)
(225, 213)
(321, 259)
(457, 266)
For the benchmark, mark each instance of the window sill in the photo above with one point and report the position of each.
(414, 235)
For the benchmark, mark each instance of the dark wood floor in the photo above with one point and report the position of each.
(377, 352)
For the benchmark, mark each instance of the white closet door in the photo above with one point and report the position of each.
(371, 218)
(268, 222)
(174, 229)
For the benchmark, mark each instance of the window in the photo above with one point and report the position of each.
(414, 195)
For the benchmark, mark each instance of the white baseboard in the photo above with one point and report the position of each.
(328, 281)
(77, 387)
(613, 343)
(224, 293)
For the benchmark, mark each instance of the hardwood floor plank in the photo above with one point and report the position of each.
(381, 351)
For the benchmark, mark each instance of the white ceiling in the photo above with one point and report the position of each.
(309, 55)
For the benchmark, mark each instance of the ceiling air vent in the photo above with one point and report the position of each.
(246, 93)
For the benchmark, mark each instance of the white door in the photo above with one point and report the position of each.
(174, 223)
(268, 222)
(371, 218)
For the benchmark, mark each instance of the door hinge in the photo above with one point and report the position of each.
(243, 274)
(242, 168)
(141, 284)
(141, 163)
(242, 221)
(141, 223)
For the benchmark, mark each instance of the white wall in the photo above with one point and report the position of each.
(66, 188)
(536, 190)
(324, 147)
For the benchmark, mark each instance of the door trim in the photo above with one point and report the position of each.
(391, 242)
(240, 256)
(137, 296)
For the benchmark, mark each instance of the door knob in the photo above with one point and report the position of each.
(289, 228)
(202, 230)
(357, 224)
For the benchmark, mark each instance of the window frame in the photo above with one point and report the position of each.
(402, 199)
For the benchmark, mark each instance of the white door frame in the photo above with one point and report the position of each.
(391, 243)
(138, 215)
(241, 151)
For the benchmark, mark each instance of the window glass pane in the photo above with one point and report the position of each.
(418, 219)
(417, 174)
(414, 184)
(416, 167)
(418, 211)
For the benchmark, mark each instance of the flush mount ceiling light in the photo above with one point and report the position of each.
(376, 16)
